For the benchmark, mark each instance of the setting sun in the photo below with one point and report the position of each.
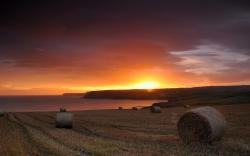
(147, 85)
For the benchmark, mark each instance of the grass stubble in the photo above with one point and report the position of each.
(116, 132)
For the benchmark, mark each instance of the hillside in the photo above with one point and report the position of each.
(181, 96)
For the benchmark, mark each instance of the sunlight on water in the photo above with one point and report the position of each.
(53, 103)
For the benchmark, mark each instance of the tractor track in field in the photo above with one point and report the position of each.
(121, 127)
(41, 120)
(27, 137)
(68, 146)
(92, 133)
(80, 129)
(84, 130)
(126, 128)
(134, 141)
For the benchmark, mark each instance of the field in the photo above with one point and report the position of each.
(118, 132)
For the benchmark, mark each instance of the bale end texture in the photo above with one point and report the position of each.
(201, 125)
(64, 120)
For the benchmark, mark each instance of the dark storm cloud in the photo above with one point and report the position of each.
(184, 21)
(61, 19)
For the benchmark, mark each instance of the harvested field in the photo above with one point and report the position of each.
(114, 132)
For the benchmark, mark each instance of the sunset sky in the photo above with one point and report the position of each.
(52, 47)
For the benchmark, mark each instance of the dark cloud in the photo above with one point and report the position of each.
(93, 37)
(184, 23)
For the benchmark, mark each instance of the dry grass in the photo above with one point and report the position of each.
(116, 132)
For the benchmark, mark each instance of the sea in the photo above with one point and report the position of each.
(72, 103)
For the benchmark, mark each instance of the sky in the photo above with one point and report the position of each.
(52, 47)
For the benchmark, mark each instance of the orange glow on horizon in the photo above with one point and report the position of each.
(144, 84)
(139, 81)
(147, 85)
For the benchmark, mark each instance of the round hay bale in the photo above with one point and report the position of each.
(120, 108)
(64, 120)
(201, 125)
(134, 108)
(2, 113)
(155, 109)
(63, 109)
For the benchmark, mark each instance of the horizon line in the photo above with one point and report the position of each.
(1, 95)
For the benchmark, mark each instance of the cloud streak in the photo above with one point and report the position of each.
(210, 59)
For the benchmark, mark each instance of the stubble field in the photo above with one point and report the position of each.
(117, 132)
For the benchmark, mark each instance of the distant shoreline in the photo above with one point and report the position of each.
(211, 95)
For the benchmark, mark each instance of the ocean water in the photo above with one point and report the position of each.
(73, 103)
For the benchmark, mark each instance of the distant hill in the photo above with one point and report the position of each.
(181, 96)
(73, 94)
